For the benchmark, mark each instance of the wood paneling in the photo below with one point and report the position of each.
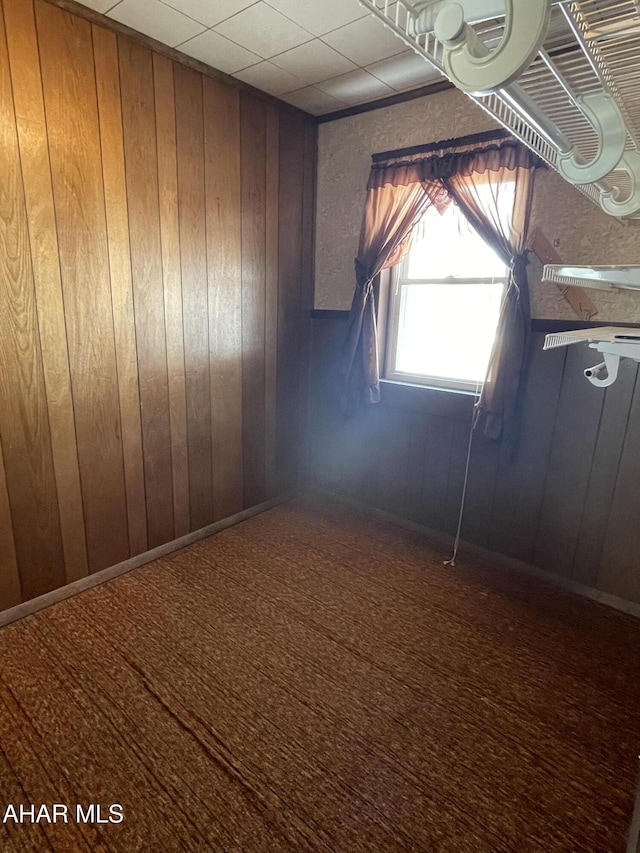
(68, 75)
(290, 304)
(619, 565)
(605, 471)
(190, 147)
(36, 178)
(572, 448)
(116, 210)
(138, 114)
(520, 484)
(170, 238)
(481, 488)
(306, 281)
(253, 146)
(271, 297)
(568, 502)
(224, 265)
(137, 400)
(26, 442)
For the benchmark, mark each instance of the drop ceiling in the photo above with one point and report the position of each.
(319, 55)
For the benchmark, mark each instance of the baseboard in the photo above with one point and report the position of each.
(503, 560)
(71, 589)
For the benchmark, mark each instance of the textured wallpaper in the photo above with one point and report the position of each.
(581, 233)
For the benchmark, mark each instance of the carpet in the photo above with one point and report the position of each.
(312, 679)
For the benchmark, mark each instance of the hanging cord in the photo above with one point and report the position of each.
(479, 389)
(456, 544)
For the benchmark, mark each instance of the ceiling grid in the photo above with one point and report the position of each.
(319, 57)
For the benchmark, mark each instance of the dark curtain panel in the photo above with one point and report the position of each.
(497, 203)
(390, 214)
(479, 181)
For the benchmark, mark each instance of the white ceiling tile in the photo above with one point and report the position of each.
(313, 101)
(209, 12)
(157, 20)
(356, 87)
(365, 41)
(313, 62)
(404, 71)
(269, 78)
(320, 17)
(263, 30)
(100, 5)
(219, 52)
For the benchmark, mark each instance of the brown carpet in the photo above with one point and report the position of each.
(315, 680)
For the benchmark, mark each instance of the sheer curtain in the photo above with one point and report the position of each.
(492, 187)
(481, 197)
(390, 214)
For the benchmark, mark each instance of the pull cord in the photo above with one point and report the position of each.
(456, 543)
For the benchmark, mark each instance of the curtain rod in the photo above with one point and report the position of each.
(486, 136)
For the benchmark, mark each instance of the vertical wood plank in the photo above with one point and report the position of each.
(224, 259)
(170, 237)
(24, 426)
(253, 178)
(328, 428)
(289, 298)
(105, 49)
(370, 485)
(392, 463)
(307, 289)
(618, 570)
(415, 452)
(349, 435)
(572, 449)
(483, 472)
(520, 483)
(455, 477)
(10, 594)
(271, 298)
(66, 55)
(605, 468)
(139, 123)
(434, 505)
(36, 177)
(190, 149)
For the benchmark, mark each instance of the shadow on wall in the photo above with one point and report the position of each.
(569, 503)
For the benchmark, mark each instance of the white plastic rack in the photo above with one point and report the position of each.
(561, 76)
(604, 277)
(612, 342)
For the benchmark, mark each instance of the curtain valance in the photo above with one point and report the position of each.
(509, 155)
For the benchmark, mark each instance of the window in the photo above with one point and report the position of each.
(445, 303)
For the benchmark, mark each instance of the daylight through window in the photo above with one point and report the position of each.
(445, 303)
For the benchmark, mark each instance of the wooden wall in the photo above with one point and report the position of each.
(569, 503)
(155, 279)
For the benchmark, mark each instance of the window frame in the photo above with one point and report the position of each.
(399, 279)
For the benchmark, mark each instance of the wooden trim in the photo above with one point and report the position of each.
(548, 327)
(164, 50)
(399, 98)
(485, 554)
(328, 314)
(13, 614)
(383, 291)
(428, 147)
